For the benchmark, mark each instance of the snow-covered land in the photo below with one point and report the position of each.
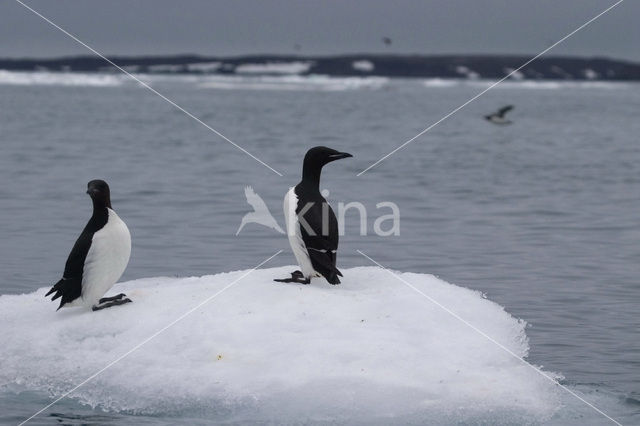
(293, 83)
(364, 66)
(368, 351)
(297, 67)
(45, 78)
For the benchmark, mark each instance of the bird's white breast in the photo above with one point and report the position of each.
(106, 260)
(295, 234)
(499, 120)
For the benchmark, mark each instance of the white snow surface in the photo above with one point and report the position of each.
(517, 75)
(363, 65)
(46, 78)
(471, 75)
(440, 82)
(204, 67)
(295, 67)
(166, 68)
(368, 351)
(590, 74)
(319, 83)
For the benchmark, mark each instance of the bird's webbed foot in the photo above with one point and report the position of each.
(296, 277)
(112, 301)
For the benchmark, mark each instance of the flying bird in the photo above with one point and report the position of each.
(312, 226)
(98, 258)
(260, 214)
(387, 40)
(498, 116)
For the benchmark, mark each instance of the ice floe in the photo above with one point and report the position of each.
(369, 350)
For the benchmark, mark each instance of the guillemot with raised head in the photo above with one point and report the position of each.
(98, 258)
(312, 226)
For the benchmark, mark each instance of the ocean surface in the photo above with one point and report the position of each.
(542, 216)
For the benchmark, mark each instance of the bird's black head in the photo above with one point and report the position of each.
(316, 158)
(99, 192)
(320, 155)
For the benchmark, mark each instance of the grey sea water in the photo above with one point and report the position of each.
(542, 216)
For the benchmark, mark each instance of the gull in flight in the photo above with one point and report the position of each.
(498, 116)
(260, 214)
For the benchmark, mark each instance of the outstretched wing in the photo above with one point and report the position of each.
(502, 111)
(255, 200)
(262, 214)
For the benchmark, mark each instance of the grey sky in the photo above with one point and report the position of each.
(134, 27)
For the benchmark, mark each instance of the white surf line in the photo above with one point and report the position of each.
(491, 339)
(148, 339)
(490, 87)
(146, 86)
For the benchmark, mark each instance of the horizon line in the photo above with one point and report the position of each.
(314, 56)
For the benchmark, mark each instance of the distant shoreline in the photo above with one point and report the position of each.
(380, 65)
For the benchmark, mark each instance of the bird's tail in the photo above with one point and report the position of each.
(277, 228)
(68, 289)
(333, 277)
(241, 226)
(57, 288)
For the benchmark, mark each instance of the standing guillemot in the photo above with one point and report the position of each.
(498, 116)
(98, 258)
(312, 226)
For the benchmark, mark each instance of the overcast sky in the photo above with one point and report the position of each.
(234, 27)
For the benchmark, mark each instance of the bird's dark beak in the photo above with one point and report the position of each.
(339, 156)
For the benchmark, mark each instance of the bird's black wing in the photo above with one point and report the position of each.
(322, 246)
(502, 111)
(69, 287)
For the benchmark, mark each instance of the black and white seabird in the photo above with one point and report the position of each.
(498, 116)
(98, 258)
(312, 226)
